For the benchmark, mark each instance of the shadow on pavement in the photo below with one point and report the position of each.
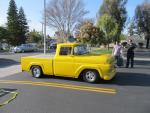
(130, 79)
(140, 62)
(122, 78)
(7, 62)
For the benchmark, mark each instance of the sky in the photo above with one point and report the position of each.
(34, 9)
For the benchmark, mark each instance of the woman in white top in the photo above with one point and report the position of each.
(116, 52)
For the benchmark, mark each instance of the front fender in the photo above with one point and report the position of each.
(84, 67)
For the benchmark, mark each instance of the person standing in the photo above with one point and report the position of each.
(130, 54)
(116, 52)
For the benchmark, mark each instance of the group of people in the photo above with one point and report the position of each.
(117, 53)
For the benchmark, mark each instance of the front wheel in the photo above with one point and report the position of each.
(36, 71)
(90, 76)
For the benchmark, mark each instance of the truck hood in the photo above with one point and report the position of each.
(95, 58)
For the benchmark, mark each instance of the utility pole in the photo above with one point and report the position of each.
(44, 26)
(42, 30)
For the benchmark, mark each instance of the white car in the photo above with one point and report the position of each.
(24, 48)
(53, 46)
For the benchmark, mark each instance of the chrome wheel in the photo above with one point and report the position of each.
(36, 72)
(90, 76)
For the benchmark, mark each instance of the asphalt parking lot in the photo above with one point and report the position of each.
(127, 93)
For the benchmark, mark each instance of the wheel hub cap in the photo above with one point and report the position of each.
(90, 76)
(36, 72)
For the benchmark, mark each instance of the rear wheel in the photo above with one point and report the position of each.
(36, 71)
(90, 76)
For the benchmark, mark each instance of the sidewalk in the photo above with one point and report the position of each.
(140, 54)
(140, 49)
(138, 58)
(7, 71)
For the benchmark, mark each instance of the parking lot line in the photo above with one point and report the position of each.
(59, 85)
(14, 95)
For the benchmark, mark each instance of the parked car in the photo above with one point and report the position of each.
(53, 46)
(24, 48)
(71, 60)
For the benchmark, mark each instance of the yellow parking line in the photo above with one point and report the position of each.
(48, 83)
(14, 95)
(81, 89)
(66, 86)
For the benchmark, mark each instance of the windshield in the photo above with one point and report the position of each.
(81, 49)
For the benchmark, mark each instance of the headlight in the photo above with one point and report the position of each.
(108, 61)
(17, 49)
(111, 69)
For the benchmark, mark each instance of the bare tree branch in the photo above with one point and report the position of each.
(64, 15)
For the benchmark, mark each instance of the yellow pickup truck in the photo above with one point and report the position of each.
(71, 60)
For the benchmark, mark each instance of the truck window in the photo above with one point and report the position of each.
(65, 51)
(81, 50)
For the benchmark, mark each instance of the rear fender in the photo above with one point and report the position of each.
(35, 64)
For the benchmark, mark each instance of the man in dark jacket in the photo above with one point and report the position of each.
(130, 54)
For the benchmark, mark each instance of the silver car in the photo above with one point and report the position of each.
(24, 48)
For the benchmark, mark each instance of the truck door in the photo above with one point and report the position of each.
(64, 63)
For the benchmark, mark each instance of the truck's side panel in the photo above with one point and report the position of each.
(64, 66)
(45, 63)
(86, 67)
(63, 61)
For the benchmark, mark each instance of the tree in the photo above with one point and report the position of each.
(86, 32)
(64, 15)
(4, 34)
(34, 37)
(83, 22)
(23, 26)
(131, 28)
(13, 23)
(90, 34)
(108, 25)
(142, 20)
(116, 9)
(60, 36)
(123, 37)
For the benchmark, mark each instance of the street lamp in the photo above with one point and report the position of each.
(44, 26)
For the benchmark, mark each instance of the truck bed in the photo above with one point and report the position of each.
(43, 56)
(45, 61)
